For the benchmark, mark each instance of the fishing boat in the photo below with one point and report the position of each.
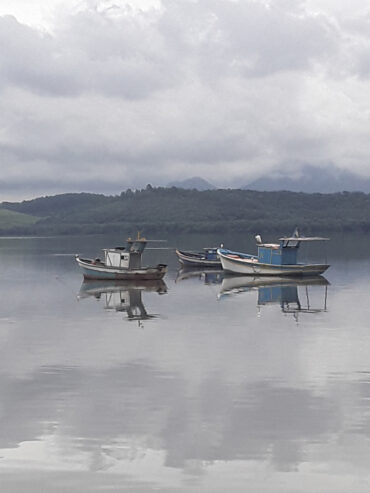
(207, 258)
(277, 259)
(121, 263)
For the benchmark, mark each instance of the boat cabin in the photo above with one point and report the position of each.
(128, 257)
(283, 253)
(278, 253)
(210, 253)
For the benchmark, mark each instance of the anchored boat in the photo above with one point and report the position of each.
(207, 258)
(278, 259)
(121, 263)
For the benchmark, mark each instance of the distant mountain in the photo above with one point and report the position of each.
(195, 183)
(313, 179)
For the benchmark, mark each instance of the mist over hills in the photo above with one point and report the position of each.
(194, 183)
(312, 179)
(309, 179)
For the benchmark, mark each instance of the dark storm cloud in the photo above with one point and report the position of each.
(182, 90)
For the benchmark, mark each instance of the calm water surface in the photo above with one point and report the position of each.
(198, 384)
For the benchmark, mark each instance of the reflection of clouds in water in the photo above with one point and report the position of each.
(142, 421)
(144, 408)
(208, 394)
(77, 482)
(263, 421)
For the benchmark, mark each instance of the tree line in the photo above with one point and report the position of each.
(178, 210)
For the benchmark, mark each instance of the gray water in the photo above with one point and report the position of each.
(200, 384)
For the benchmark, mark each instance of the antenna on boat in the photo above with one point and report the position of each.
(138, 238)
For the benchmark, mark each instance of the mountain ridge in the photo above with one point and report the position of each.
(312, 179)
(178, 210)
(194, 183)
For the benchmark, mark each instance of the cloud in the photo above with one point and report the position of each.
(93, 54)
(187, 88)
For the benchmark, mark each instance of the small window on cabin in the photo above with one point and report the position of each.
(292, 244)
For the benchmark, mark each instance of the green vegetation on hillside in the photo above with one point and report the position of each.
(10, 219)
(175, 210)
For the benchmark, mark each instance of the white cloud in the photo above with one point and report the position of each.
(187, 88)
(46, 15)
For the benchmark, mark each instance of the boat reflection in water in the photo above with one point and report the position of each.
(123, 296)
(209, 276)
(284, 291)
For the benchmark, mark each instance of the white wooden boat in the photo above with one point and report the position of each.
(273, 259)
(121, 263)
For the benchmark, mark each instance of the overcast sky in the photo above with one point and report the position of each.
(101, 95)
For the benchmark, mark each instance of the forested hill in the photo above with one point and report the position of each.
(173, 210)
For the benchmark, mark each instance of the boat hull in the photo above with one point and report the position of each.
(194, 260)
(250, 265)
(99, 271)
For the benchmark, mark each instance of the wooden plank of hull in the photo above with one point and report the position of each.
(250, 267)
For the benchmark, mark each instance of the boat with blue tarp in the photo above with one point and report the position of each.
(206, 258)
(280, 259)
(122, 263)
